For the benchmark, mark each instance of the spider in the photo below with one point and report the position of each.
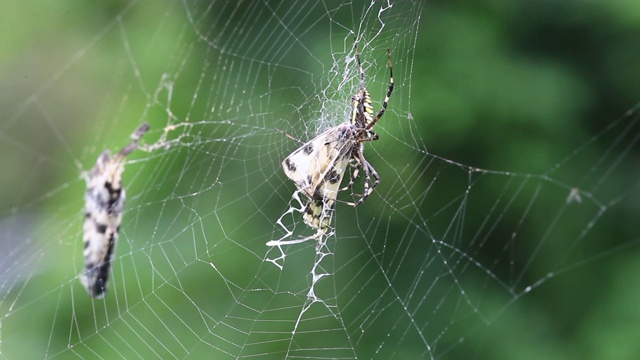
(318, 166)
(362, 131)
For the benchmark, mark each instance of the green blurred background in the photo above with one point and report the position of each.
(471, 247)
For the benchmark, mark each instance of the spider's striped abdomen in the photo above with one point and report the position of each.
(362, 109)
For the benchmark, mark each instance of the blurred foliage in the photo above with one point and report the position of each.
(499, 85)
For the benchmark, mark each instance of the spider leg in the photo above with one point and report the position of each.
(376, 178)
(358, 162)
(369, 186)
(389, 91)
(354, 175)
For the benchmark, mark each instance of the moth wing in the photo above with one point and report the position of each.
(319, 210)
(306, 166)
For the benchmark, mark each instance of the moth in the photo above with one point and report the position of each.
(317, 168)
(104, 203)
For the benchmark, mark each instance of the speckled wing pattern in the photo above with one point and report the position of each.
(104, 203)
(317, 168)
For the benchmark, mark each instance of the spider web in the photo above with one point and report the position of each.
(464, 244)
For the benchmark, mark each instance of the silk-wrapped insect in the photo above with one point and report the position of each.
(104, 203)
